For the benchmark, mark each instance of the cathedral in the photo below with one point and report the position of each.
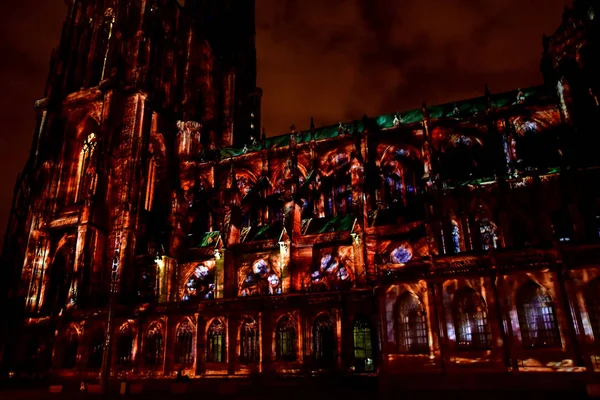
(156, 231)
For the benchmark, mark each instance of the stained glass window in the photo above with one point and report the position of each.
(154, 346)
(537, 318)
(215, 343)
(592, 304)
(324, 341)
(412, 325)
(183, 345)
(363, 346)
(470, 320)
(249, 342)
(287, 347)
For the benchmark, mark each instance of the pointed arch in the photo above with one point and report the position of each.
(216, 341)
(286, 339)
(592, 305)
(537, 317)
(96, 348)
(154, 344)
(71, 347)
(125, 345)
(471, 327)
(184, 340)
(249, 341)
(86, 169)
(411, 318)
(324, 343)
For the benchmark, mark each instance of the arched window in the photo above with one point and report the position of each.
(125, 346)
(324, 341)
(287, 346)
(86, 170)
(592, 304)
(154, 345)
(470, 320)
(215, 343)
(363, 346)
(70, 351)
(412, 325)
(249, 342)
(183, 344)
(96, 349)
(488, 234)
(537, 318)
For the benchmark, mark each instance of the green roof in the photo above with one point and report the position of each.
(316, 226)
(466, 108)
(210, 239)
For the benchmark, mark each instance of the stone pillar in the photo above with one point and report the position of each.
(503, 304)
(232, 330)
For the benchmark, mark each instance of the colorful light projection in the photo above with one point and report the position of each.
(393, 254)
(260, 278)
(201, 283)
(334, 270)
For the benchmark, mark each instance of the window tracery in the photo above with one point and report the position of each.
(363, 346)
(86, 171)
(470, 320)
(201, 284)
(537, 317)
(125, 346)
(215, 343)
(249, 342)
(154, 345)
(286, 343)
(412, 325)
(183, 344)
(324, 341)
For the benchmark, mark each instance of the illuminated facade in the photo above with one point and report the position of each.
(460, 237)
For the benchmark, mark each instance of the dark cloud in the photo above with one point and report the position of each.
(333, 59)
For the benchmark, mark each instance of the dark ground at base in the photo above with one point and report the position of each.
(485, 387)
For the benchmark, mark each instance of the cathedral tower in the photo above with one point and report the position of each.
(138, 91)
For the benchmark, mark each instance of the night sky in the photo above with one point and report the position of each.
(333, 59)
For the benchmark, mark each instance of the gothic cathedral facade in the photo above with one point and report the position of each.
(462, 237)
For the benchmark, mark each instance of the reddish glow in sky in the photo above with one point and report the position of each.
(333, 59)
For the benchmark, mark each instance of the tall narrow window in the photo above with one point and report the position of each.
(150, 185)
(363, 346)
(183, 344)
(125, 346)
(412, 325)
(96, 349)
(455, 234)
(324, 341)
(470, 320)
(287, 346)
(537, 318)
(215, 343)
(249, 342)
(154, 346)
(86, 170)
(592, 304)
(70, 350)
